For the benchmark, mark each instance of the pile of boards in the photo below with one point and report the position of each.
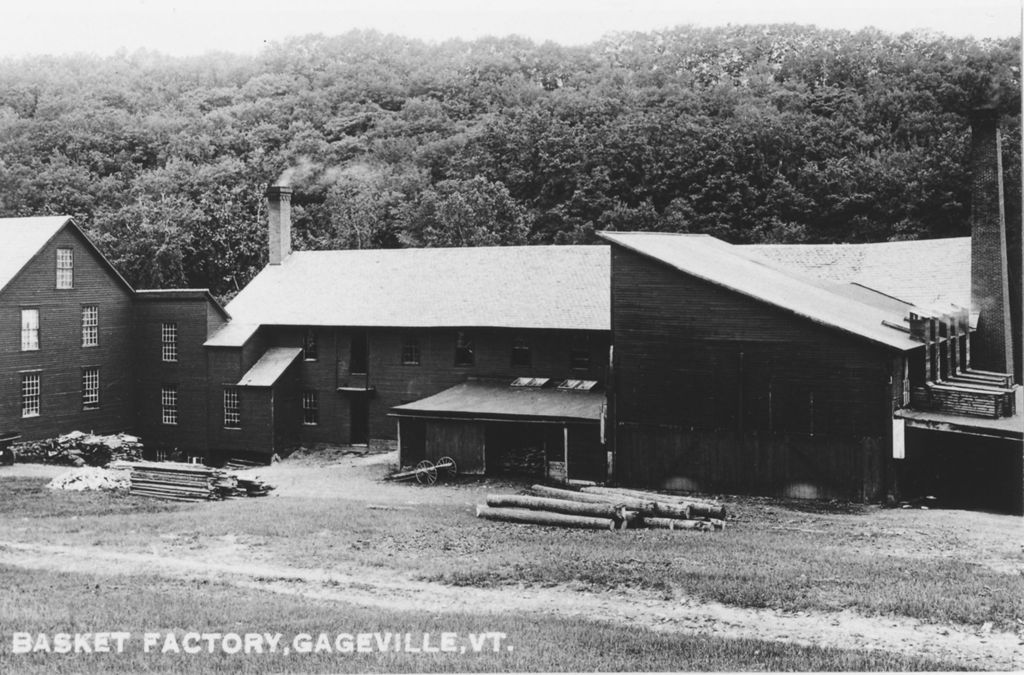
(191, 482)
(605, 508)
(81, 449)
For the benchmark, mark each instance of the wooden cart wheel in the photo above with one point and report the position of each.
(450, 467)
(426, 472)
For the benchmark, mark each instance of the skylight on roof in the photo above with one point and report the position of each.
(534, 382)
(578, 385)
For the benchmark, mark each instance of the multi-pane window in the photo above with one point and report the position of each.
(29, 330)
(232, 411)
(309, 352)
(169, 341)
(521, 352)
(90, 325)
(30, 394)
(65, 268)
(464, 355)
(410, 351)
(90, 388)
(169, 404)
(310, 407)
(579, 352)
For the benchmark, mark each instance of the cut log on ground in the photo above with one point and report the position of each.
(557, 505)
(572, 495)
(678, 524)
(543, 518)
(697, 507)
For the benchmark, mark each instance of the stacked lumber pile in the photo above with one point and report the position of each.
(80, 449)
(191, 482)
(603, 508)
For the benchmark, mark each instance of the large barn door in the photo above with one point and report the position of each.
(587, 457)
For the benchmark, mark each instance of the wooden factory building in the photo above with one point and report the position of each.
(732, 372)
(324, 345)
(82, 350)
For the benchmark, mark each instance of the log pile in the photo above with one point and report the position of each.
(605, 509)
(191, 482)
(80, 449)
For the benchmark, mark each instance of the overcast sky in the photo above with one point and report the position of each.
(183, 27)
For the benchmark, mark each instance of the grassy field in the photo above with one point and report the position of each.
(777, 556)
(38, 601)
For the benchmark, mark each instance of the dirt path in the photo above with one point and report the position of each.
(390, 590)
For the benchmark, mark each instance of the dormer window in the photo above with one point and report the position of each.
(65, 268)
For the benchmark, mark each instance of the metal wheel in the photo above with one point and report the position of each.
(426, 473)
(449, 466)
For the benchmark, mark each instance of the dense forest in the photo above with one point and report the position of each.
(749, 133)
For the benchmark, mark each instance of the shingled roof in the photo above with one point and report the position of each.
(745, 272)
(926, 272)
(22, 238)
(564, 287)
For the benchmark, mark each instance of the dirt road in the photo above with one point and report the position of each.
(387, 589)
(985, 537)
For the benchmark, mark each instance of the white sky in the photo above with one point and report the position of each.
(183, 27)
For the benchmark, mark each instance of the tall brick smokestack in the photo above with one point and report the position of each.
(992, 346)
(279, 203)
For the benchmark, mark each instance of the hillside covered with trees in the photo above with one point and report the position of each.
(752, 134)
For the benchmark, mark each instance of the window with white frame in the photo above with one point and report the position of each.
(232, 411)
(65, 268)
(169, 341)
(90, 388)
(169, 404)
(310, 407)
(90, 325)
(29, 330)
(30, 393)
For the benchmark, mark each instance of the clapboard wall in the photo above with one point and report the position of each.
(390, 382)
(195, 316)
(715, 388)
(61, 357)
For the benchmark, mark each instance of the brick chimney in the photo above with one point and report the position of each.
(279, 205)
(992, 345)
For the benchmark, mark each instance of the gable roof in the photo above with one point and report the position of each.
(559, 287)
(749, 274)
(24, 238)
(925, 272)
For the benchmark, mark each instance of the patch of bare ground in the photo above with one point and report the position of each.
(372, 587)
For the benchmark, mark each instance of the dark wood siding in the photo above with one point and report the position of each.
(394, 383)
(710, 385)
(462, 441)
(61, 356)
(194, 318)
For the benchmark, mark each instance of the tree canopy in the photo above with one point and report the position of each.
(750, 133)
